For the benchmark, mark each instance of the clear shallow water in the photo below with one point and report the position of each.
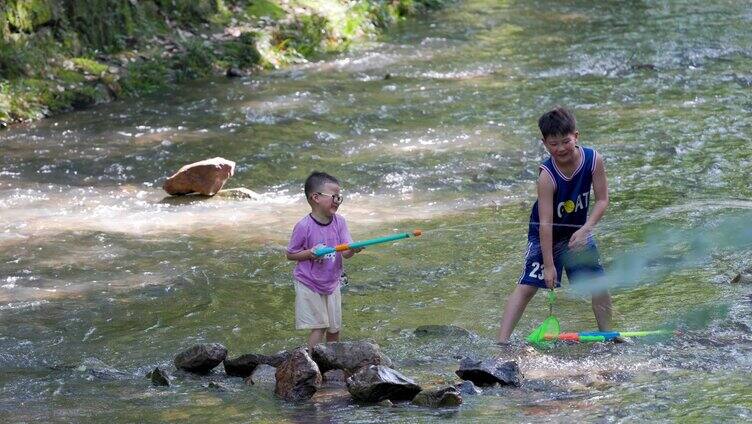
(95, 264)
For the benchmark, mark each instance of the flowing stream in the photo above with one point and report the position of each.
(434, 126)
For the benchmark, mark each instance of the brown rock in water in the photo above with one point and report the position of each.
(298, 377)
(441, 397)
(201, 358)
(375, 383)
(348, 356)
(205, 177)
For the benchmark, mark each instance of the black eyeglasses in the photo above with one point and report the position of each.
(336, 198)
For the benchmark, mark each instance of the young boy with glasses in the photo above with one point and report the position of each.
(318, 304)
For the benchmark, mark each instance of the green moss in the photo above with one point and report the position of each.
(69, 77)
(88, 65)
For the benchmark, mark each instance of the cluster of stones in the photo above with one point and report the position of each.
(366, 371)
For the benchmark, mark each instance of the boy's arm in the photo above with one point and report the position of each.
(296, 249)
(545, 230)
(303, 255)
(600, 189)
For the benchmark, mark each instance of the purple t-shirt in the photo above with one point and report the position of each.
(322, 274)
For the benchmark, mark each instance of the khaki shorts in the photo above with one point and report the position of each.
(316, 310)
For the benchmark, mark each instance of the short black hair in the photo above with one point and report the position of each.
(557, 122)
(316, 181)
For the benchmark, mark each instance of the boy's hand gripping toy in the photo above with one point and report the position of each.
(550, 328)
(321, 251)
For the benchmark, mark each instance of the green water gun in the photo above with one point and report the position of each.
(321, 251)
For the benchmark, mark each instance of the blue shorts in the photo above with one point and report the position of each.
(579, 263)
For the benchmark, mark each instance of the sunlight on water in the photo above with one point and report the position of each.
(434, 127)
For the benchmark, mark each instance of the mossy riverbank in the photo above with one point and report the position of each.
(58, 55)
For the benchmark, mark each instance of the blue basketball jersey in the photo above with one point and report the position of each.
(571, 197)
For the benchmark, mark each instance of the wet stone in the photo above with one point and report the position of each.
(334, 378)
(245, 365)
(159, 377)
(201, 358)
(468, 388)
(298, 378)
(348, 356)
(242, 366)
(376, 383)
(490, 371)
(442, 397)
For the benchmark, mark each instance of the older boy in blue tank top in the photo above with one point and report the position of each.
(559, 233)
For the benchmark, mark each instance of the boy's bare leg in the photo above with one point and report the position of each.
(332, 337)
(316, 337)
(602, 310)
(516, 304)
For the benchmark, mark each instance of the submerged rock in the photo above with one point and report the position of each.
(263, 374)
(159, 377)
(441, 331)
(348, 356)
(298, 377)
(205, 177)
(375, 383)
(441, 397)
(201, 358)
(98, 369)
(238, 193)
(742, 278)
(490, 372)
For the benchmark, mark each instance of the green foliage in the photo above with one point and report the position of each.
(145, 77)
(37, 37)
(191, 12)
(259, 8)
(103, 24)
(306, 35)
(243, 52)
(27, 15)
(196, 62)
